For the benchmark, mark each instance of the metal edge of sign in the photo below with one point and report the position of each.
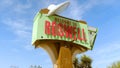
(94, 39)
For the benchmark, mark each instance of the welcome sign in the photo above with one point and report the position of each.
(61, 37)
(58, 28)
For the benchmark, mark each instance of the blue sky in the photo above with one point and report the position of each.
(16, 21)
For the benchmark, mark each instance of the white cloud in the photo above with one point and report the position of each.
(4, 3)
(22, 8)
(105, 54)
(22, 29)
(15, 6)
(109, 48)
(19, 27)
(77, 9)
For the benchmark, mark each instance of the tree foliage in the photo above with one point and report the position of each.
(35, 66)
(115, 65)
(86, 62)
(76, 63)
(83, 62)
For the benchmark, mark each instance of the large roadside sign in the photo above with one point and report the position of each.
(58, 28)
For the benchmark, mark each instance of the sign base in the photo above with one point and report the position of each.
(65, 57)
(61, 53)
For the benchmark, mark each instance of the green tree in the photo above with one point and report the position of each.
(115, 65)
(39, 66)
(83, 62)
(35, 66)
(31, 66)
(76, 62)
(86, 62)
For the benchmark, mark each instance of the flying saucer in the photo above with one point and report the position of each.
(56, 9)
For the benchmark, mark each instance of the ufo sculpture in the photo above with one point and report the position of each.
(56, 9)
(62, 38)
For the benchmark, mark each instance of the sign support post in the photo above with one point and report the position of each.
(65, 57)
